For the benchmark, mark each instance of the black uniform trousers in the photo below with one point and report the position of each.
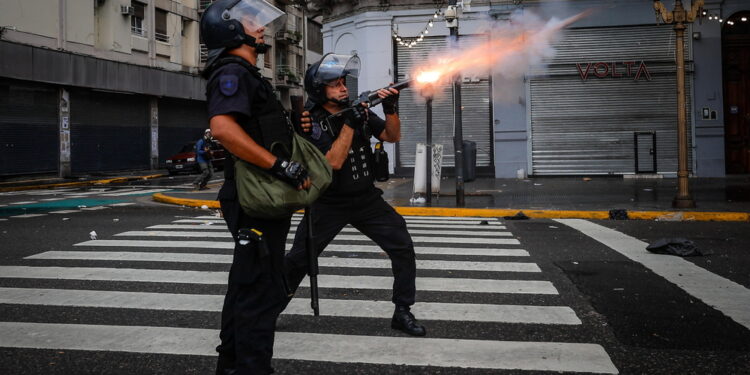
(376, 219)
(255, 294)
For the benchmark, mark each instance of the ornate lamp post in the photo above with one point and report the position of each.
(680, 16)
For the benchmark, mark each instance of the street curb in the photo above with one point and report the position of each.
(81, 183)
(534, 214)
(159, 197)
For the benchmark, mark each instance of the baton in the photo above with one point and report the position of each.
(312, 257)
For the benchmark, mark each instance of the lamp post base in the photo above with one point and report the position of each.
(683, 202)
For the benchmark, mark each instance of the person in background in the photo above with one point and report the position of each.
(203, 158)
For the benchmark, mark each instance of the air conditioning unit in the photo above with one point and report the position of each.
(127, 10)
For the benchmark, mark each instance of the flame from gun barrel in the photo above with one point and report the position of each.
(497, 50)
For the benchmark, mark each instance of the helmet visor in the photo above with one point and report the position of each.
(334, 66)
(254, 14)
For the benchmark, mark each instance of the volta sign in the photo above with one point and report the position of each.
(627, 69)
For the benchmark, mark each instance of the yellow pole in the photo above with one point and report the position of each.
(683, 198)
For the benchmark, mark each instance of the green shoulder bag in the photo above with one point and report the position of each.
(261, 195)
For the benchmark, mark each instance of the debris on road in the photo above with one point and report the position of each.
(675, 246)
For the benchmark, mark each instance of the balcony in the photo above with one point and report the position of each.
(288, 36)
(161, 37)
(287, 76)
(139, 31)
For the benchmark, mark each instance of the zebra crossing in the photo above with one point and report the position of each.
(170, 253)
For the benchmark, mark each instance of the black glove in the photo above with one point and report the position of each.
(390, 104)
(355, 116)
(292, 173)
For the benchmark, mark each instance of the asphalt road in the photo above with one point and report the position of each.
(565, 296)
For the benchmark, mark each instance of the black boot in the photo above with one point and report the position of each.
(403, 320)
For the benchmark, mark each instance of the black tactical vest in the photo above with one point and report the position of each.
(269, 123)
(356, 174)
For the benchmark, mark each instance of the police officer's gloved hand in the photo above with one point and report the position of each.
(390, 104)
(290, 172)
(355, 116)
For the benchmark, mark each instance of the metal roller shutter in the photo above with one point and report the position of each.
(587, 126)
(29, 130)
(180, 122)
(475, 97)
(108, 131)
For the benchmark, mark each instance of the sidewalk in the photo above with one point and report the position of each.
(721, 199)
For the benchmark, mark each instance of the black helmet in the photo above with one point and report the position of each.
(223, 24)
(331, 67)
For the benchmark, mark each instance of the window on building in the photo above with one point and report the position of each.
(137, 24)
(314, 36)
(160, 26)
(203, 4)
(300, 68)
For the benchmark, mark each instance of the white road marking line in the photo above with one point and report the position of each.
(332, 247)
(27, 216)
(455, 226)
(325, 281)
(24, 202)
(485, 354)
(95, 208)
(340, 237)
(490, 224)
(52, 199)
(347, 229)
(436, 218)
(160, 244)
(199, 221)
(724, 295)
(120, 194)
(126, 190)
(64, 212)
(82, 194)
(298, 306)
(195, 226)
(121, 204)
(323, 261)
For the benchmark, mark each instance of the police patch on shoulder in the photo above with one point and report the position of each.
(228, 84)
(316, 131)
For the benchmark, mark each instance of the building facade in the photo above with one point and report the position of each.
(605, 104)
(90, 86)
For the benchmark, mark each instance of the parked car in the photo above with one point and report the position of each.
(184, 161)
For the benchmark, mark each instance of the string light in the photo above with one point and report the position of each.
(411, 42)
(720, 19)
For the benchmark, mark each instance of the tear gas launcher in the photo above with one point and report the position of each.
(369, 98)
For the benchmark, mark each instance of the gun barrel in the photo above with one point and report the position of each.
(375, 99)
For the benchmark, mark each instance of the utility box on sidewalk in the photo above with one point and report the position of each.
(470, 161)
(420, 172)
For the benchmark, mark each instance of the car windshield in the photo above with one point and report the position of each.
(190, 147)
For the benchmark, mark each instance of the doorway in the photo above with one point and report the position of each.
(736, 66)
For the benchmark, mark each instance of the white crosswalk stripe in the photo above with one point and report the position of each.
(345, 237)
(324, 262)
(318, 347)
(358, 248)
(219, 278)
(333, 307)
(346, 230)
(173, 250)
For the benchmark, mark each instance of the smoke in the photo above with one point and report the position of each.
(509, 51)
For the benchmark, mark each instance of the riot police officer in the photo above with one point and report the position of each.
(352, 197)
(246, 117)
